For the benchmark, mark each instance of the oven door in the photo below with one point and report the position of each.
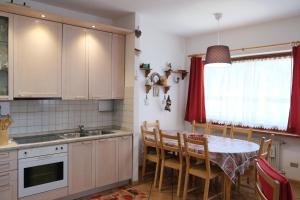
(43, 173)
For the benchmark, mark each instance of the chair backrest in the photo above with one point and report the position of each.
(150, 138)
(241, 131)
(151, 125)
(218, 128)
(170, 143)
(260, 187)
(265, 148)
(203, 155)
(204, 126)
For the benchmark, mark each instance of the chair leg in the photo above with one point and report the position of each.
(239, 184)
(156, 174)
(161, 175)
(186, 184)
(206, 189)
(179, 182)
(224, 187)
(144, 167)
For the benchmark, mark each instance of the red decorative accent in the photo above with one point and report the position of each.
(294, 117)
(195, 108)
(286, 192)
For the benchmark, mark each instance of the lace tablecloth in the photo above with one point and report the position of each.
(233, 156)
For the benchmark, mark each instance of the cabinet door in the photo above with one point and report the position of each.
(125, 158)
(74, 67)
(8, 185)
(81, 167)
(6, 56)
(99, 59)
(106, 162)
(37, 57)
(118, 66)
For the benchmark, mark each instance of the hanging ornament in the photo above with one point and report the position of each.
(146, 101)
(163, 102)
(168, 104)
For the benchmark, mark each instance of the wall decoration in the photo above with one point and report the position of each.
(146, 68)
(138, 32)
(168, 104)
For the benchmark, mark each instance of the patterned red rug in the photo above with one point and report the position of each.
(123, 194)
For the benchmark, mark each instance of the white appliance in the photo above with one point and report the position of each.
(42, 169)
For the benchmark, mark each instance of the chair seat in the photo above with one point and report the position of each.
(172, 163)
(200, 171)
(152, 157)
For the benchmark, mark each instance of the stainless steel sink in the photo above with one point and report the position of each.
(86, 133)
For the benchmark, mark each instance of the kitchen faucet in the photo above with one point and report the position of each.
(81, 128)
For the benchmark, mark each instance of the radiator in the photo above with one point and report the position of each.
(274, 158)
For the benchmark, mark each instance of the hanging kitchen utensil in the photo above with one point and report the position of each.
(168, 104)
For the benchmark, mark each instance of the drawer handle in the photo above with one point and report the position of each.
(4, 155)
(4, 187)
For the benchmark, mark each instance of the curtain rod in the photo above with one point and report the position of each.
(294, 43)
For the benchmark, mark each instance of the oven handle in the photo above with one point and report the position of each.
(44, 157)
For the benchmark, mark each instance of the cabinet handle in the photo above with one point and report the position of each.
(4, 187)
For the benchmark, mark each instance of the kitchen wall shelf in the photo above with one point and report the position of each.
(182, 72)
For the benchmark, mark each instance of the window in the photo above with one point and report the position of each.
(253, 93)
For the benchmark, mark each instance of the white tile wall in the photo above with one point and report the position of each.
(123, 110)
(49, 115)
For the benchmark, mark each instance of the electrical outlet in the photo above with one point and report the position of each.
(295, 165)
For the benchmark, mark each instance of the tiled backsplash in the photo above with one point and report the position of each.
(49, 115)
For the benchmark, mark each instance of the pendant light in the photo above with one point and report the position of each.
(218, 55)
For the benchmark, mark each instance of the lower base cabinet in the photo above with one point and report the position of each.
(8, 185)
(99, 163)
(81, 166)
(106, 161)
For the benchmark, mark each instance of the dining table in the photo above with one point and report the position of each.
(233, 156)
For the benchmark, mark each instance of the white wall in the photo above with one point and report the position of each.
(264, 34)
(159, 48)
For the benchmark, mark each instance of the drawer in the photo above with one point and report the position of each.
(8, 185)
(8, 155)
(8, 165)
(7, 177)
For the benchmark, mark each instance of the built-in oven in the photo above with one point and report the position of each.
(42, 169)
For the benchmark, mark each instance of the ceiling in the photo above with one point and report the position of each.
(188, 17)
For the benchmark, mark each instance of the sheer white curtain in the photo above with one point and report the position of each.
(253, 93)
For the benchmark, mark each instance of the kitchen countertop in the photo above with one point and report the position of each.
(14, 146)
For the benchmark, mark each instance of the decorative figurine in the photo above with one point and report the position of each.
(168, 104)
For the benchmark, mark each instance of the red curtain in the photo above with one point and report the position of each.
(294, 117)
(195, 108)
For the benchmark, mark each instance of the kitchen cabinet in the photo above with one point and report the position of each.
(8, 175)
(37, 57)
(99, 59)
(6, 56)
(118, 66)
(74, 63)
(81, 166)
(106, 161)
(125, 158)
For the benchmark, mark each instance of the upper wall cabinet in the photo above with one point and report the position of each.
(74, 63)
(37, 57)
(118, 66)
(6, 56)
(99, 59)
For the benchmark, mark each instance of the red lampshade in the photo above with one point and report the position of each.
(218, 54)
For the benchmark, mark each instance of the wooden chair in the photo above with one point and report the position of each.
(203, 170)
(174, 162)
(264, 152)
(150, 125)
(265, 148)
(204, 126)
(241, 131)
(218, 128)
(274, 184)
(150, 140)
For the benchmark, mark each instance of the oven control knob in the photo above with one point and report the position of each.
(56, 148)
(25, 153)
(61, 148)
